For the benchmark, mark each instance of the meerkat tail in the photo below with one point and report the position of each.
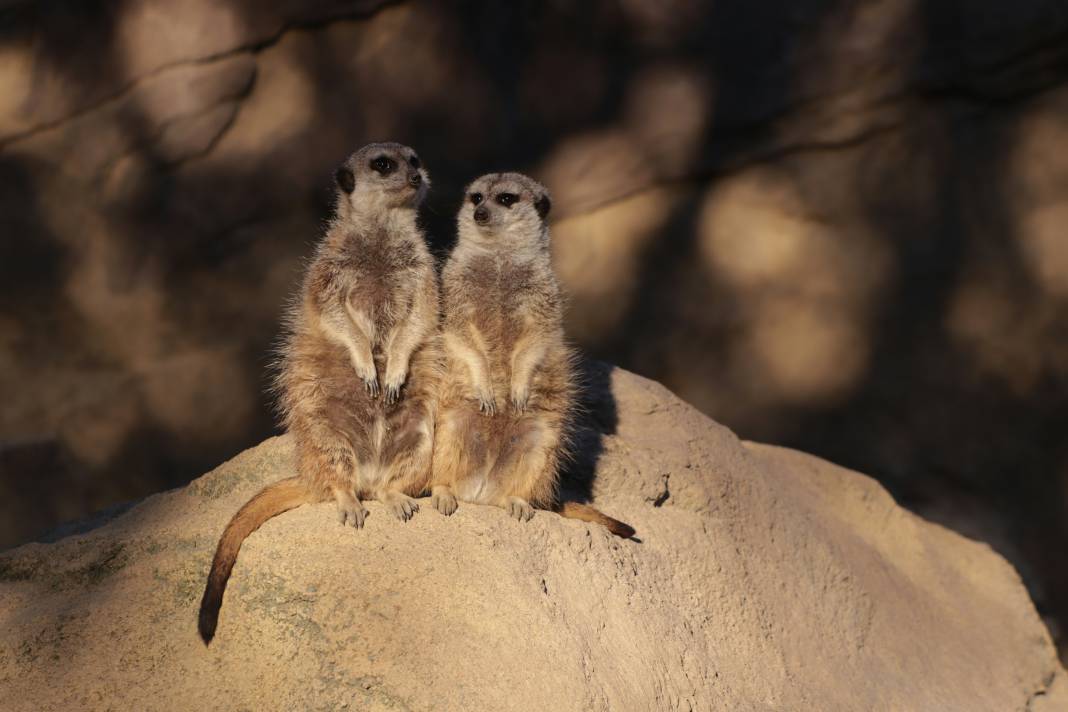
(586, 513)
(271, 501)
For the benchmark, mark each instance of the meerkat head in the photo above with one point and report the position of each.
(503, 207)
(380, 176)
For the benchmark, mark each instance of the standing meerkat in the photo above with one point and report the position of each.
(359, 363)
(508, 393)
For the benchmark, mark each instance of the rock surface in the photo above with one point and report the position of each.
(765, 579)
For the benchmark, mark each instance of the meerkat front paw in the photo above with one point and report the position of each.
(443, 500)
(393, 389)
(519, 508)
(371, 384)
(402, 506)
(487, 405)
(520, 400)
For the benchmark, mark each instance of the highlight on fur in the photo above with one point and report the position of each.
(271, 501)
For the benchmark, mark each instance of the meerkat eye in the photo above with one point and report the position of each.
(383, 165)
(507, 199)
(476, 198)
(414, 162)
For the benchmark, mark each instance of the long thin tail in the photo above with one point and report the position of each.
(271, 500)
(586, 513)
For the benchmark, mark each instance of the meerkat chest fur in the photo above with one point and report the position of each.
(504, 287)
(379, 274)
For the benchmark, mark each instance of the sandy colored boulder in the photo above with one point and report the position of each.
(765, 579)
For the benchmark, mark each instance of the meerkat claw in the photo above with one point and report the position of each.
(487, 407)
(372, 386)
(392, 394)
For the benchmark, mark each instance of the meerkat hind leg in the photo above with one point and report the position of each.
(443, 500)
(523, 468)
(350, 509)
(519, 508)
(402, 506)
(407, 459)
(457, 447)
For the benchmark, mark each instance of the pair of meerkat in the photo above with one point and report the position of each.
(376, 408)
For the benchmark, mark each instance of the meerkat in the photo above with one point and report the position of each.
(358, 365)
(508, 393)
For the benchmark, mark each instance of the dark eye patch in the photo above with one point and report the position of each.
(507, 199)
(383, 165)
(476, 198)
(414, 162)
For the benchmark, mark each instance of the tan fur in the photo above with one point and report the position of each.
(586, 513)
(508, 395)
(272, 500)
(359, 365)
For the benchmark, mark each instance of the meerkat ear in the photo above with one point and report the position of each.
(345, 180)
(542, 205)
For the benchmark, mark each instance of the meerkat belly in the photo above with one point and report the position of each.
(371, 471)
(495, 331)
(393, 433)
(339, 403)
(497, 454)
(477, 490)
(474, 438)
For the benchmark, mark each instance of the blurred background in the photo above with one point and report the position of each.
(836, 225)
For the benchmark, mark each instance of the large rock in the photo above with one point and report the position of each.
(765, 579)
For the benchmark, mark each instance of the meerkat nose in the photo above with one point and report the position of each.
(481, 215)
(415, 179)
